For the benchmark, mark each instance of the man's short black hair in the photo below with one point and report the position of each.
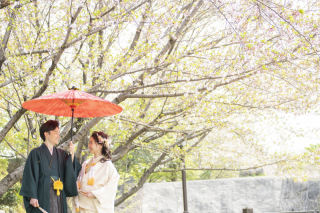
(47, 127)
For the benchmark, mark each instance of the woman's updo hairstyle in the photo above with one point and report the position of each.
(104, 140)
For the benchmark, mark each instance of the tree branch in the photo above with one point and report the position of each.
(173, 39)
(10, 180)
(16, 150)
(142, 180)
(44, 86)
(223, 169)
(6, 37)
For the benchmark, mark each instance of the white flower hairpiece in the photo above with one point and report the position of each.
(105, 141)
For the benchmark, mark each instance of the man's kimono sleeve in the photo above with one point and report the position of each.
(30, 180)
(72, 170)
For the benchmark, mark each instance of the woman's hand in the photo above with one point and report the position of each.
(87, 194)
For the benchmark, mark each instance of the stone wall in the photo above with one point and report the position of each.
(263, 194)
(298, 196)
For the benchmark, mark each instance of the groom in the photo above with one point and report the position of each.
(49, 174)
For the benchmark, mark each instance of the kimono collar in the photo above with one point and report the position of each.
(45, 151)
(99, 157)
(45, 147)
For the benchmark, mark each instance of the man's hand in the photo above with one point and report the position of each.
(34, 202)
(71, 149)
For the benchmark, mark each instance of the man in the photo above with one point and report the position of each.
(45, 166)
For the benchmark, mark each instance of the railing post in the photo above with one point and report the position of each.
(184, 183)
(247, 210)
(184, 189)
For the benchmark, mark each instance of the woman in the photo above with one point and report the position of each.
(98, 178)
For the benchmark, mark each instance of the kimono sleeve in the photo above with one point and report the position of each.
(107, 193)
(72, 170)
(30, 179)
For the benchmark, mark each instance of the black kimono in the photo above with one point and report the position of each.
(39, 169)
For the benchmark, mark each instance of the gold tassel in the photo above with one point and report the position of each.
(76, 200)
(79, 184)
(91, 181)
(57, 185)
(91, 178)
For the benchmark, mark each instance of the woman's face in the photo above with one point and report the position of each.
(94, 147)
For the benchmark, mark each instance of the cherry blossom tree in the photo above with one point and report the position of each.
(198, 72)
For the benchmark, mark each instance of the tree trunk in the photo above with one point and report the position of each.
(10, 180)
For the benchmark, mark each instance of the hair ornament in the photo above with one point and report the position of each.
(105, 141)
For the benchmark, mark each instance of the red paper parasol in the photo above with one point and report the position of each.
(72, 103)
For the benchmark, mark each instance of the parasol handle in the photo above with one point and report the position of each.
(72, 124)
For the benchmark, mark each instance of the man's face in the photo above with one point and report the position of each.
(52, 136)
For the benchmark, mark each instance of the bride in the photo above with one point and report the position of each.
(98, 178)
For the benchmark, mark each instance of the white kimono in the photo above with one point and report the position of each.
(104, 189)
